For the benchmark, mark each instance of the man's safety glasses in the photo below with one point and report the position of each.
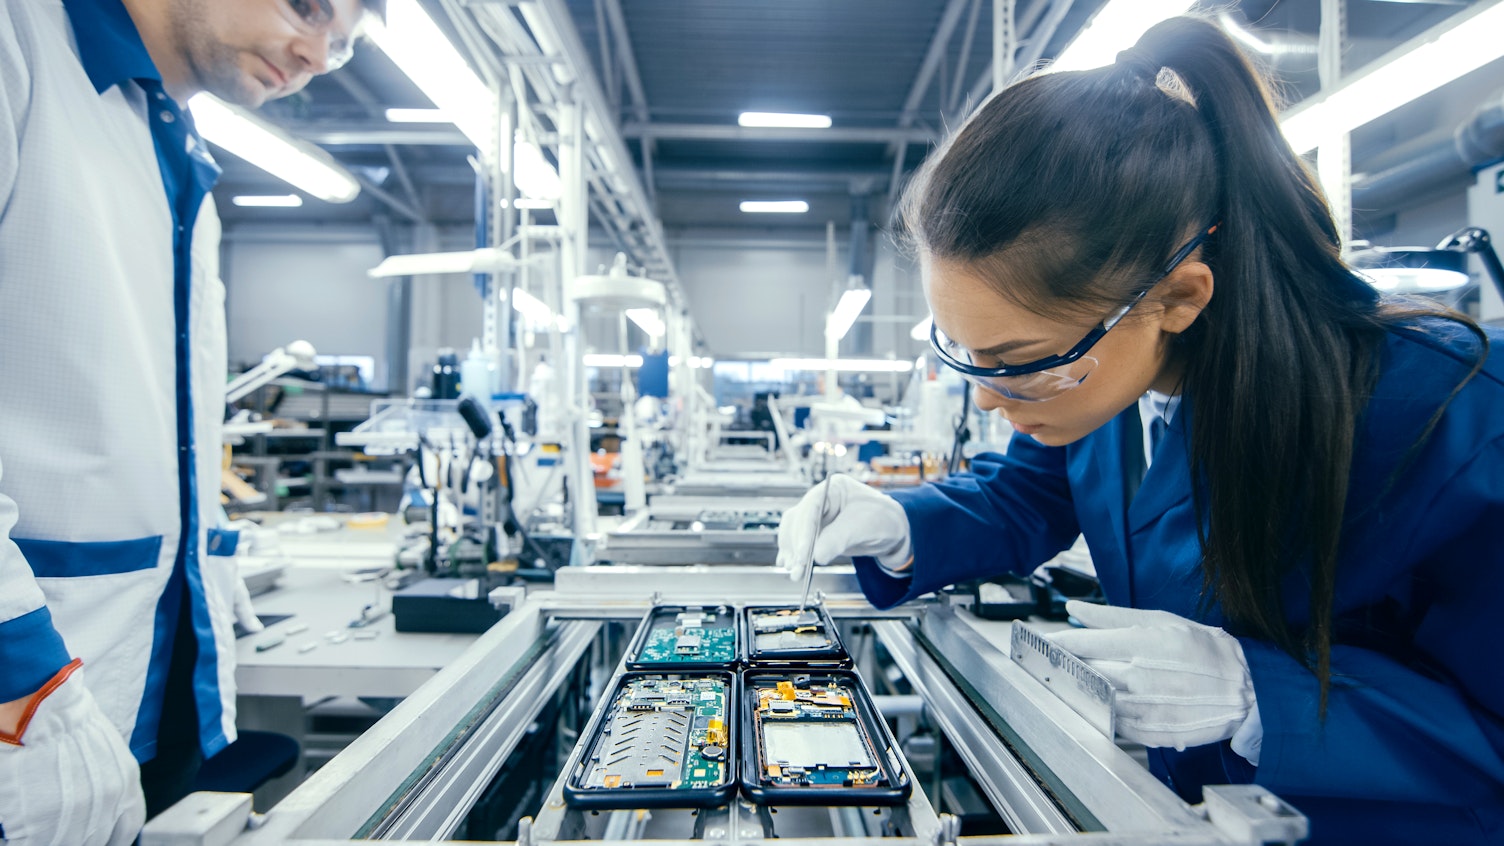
(316, 18)
(1049, 377)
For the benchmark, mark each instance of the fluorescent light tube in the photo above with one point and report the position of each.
(417, 116)
(784, 120)
(529, 203)
(268, 201)
(304, 165)
(420, 50)
(1465, 42)
(844, 315)
(604, 360)
(647, 320)
(1114, 28)
(487, 260)
(530, 307)
(845, 365)
(534, 176)
(774, 206)
(921, 330)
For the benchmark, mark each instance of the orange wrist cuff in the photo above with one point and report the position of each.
(36, 702)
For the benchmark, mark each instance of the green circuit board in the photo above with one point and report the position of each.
(691, 636)
(672, 646)
(665, 732)
(809, 735)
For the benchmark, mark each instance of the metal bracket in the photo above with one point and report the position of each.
(1086, 691)
(200, 819)
(1251, 814)
(949, 831)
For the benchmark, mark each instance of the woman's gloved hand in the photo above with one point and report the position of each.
(856, 520)
(1179, 683)
(66, 776)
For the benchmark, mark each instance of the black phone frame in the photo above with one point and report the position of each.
(645, 629)
(885, 748)
(632, 798)
(833, 658)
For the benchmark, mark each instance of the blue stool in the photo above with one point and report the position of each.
(251, 761)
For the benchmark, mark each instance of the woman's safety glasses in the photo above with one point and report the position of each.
(1048, 377)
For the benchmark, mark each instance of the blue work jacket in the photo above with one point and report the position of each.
(1412, 746)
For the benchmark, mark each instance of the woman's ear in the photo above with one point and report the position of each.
(1183, 294)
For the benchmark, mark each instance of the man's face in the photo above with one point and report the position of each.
(250, 51)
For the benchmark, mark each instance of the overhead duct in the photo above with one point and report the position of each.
(1448, 162)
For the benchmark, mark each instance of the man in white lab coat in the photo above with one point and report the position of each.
(111, 394)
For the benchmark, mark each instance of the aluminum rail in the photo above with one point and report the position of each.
(417, 772)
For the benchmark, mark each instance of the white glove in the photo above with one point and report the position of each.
(1179, 683)
(72, 781)
(245, 612)
(857, 520)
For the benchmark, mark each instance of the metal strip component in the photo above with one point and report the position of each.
(1085, 690)
(334, 801)
(1121, 794)
(436, 810)
(692, 583)
(1013, 790)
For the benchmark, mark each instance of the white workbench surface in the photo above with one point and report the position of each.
(317, 591)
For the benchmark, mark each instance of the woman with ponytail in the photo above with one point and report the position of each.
(1292, 488)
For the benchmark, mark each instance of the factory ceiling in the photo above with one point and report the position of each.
(893, 75)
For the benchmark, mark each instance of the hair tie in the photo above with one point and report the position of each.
(1135, 61)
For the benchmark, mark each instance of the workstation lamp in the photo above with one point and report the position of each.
(1429, 270)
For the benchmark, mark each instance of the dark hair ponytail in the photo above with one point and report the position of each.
(1068, 189)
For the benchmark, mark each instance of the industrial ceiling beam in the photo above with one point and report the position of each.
(1038, 42)
(353, 133)
(633, 79)
(899, 148)
(720, 132)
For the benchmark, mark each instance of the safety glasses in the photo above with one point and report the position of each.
(1049, 377)
(316, 18)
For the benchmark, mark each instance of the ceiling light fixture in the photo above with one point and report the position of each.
(845, 365)
(784, 120)
(535, 310)
(486, 260)
(774, 206)
(647, 320)
(304, 165)
(529, 203)
(267, 201)
(1463, 43)
(420, 50)
(411, 39)
(844, 315)
(607, 360)
(921, 330)
(417, 116)
(1114, 28)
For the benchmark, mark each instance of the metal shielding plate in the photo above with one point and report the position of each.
(829, 743)
(645, 749)
(779, 641)
(1085, 690)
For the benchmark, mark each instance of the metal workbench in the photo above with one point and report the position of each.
(418, 772)
(699, 530)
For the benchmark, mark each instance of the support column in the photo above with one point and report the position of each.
(1004, 43)
(1334, 153)
(574, 223)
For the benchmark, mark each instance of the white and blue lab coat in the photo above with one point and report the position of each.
(112, 384)
(1412, 746)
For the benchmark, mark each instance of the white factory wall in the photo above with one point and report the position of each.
(286, 284)
(753, 297)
